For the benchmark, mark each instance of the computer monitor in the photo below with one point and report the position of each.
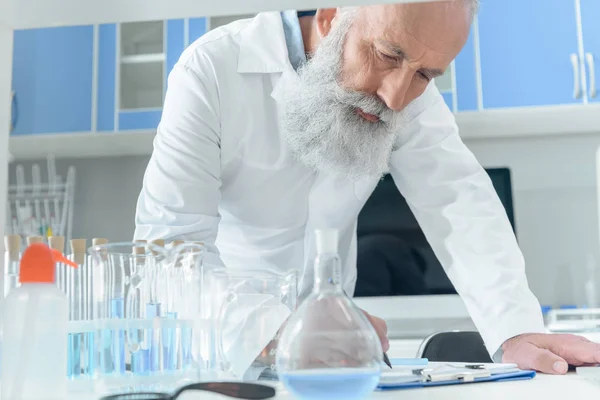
(394, 258)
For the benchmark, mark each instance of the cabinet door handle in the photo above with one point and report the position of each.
(589, 57)
(576, 84)
(14, 111)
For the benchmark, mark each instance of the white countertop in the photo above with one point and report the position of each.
(544, 387)
(541, 387)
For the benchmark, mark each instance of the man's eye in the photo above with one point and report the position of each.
(424, 76)
(388, 58)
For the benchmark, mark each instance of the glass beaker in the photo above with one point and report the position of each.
(250, 307)
(329, 349)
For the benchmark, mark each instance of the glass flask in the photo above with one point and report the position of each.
(328, 348)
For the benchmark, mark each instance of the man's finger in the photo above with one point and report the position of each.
(381, 328)
(542, 360)
(576, 350)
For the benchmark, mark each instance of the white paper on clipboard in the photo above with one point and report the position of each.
(443, 371)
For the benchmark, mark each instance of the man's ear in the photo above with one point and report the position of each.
(324, 19)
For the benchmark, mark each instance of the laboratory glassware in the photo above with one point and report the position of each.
(111, 265)
(238, 390)
(34, 354)
(75, 284)
(169, 287)
(250, 307)
(12, 255)
(328, 348)
(146, 315)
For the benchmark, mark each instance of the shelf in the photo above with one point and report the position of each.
(142, 86)
(143, 58)
(485, 125)
(529, 121)
(82, 145)
(23, 14)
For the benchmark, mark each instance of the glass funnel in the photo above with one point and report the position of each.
(329, 349)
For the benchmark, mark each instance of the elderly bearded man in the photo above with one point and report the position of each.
(284, 123)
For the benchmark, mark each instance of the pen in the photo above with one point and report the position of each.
(386, 360)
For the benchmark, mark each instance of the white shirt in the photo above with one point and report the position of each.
(221, 173)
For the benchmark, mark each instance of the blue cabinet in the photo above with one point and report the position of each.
(54, 71)
(590, 11)
(107, 71)
(526, 53)
(176, 42)
(134, 62)
(197, 28)
(52, 80)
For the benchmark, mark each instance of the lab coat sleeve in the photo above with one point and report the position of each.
(181, 188)
(465, 223)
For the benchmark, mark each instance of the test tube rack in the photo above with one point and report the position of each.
(38, 208)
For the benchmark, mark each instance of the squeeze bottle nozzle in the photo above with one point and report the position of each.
(38, 263)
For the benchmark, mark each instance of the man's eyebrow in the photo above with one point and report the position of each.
(401, 55)
(432, 73)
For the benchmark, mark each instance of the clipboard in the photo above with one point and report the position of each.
(408, 374)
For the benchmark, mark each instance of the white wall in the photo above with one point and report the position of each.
(555, 203)
(556, 212)
(106, 191)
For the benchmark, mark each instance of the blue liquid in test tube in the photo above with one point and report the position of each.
(104, 344)
(117, 337)
(186, 347)
(139, 362)
(170, 345)
(88, 353)
(154, 355)
(74, 357)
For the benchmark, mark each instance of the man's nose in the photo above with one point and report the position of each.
(394, 88)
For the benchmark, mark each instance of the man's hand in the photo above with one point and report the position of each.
(550, 354)
(381, 329)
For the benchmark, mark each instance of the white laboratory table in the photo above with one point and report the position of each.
(541, 387)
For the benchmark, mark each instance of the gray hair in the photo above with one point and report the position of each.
(472, 5)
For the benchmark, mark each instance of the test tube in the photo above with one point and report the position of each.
(74, 294)
(154, 308)
(176, 243)
(58, 243)
(34, 239)
(174, 290)
(12, 246)
(158, 242)
(115, 279)
(138, 338)
(90, 347)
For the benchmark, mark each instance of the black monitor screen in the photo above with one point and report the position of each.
(394, 258)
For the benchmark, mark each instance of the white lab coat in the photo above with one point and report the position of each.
(221, 173)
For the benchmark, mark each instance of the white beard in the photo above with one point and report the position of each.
(319, 118)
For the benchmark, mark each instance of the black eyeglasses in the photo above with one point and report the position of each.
(238, 390)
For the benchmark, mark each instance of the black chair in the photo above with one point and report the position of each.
(455, 347)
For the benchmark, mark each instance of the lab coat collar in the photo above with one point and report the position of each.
(262, 46)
